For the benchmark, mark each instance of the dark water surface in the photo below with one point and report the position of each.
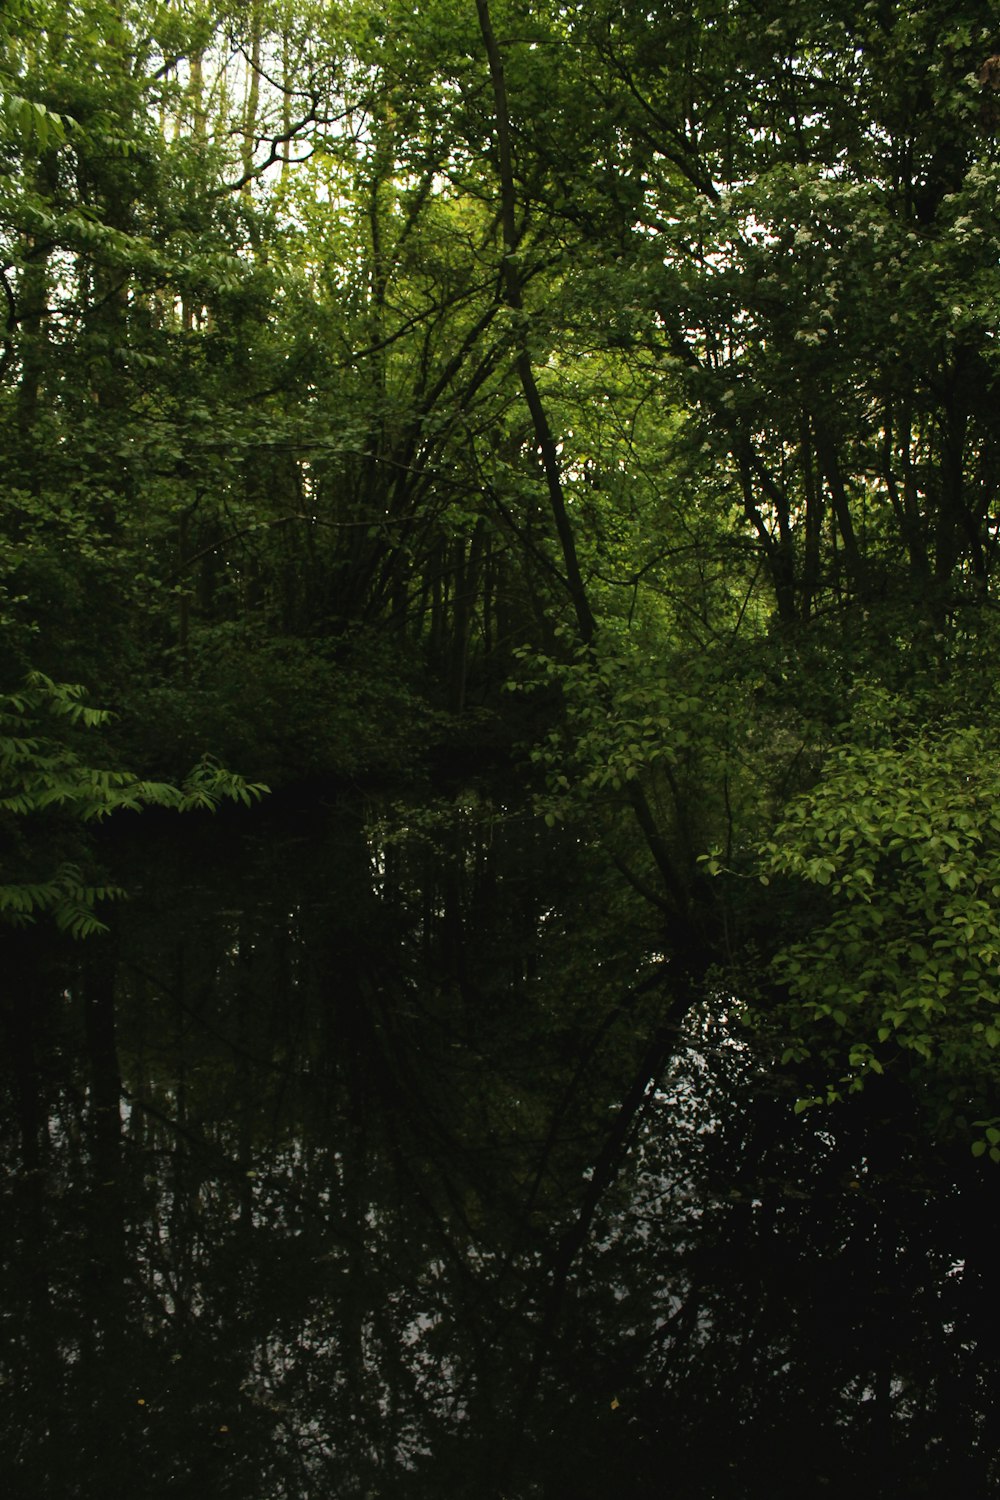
(358, 1165)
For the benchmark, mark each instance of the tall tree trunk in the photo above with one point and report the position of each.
(30, 317)
(676, 886)
(253, 96)
(586, 622)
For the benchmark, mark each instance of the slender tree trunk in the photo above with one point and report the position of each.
(30, 317)
(853, 565)
(586, 622)
(674, 883)
(253, 96)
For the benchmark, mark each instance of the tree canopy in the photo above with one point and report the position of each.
(390, 391)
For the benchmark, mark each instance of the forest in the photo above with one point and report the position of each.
(499, 746)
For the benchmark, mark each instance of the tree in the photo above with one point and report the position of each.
(350, 372)
(48, 795)
(894, 968)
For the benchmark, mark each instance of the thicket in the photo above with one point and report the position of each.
(386, 390)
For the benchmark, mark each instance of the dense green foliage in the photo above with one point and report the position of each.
(363, 362)
(903, 836)
(49, 791)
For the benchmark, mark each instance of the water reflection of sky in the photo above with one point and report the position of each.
(331, 1210)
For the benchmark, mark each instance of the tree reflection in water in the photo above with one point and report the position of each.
(340, 1171)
